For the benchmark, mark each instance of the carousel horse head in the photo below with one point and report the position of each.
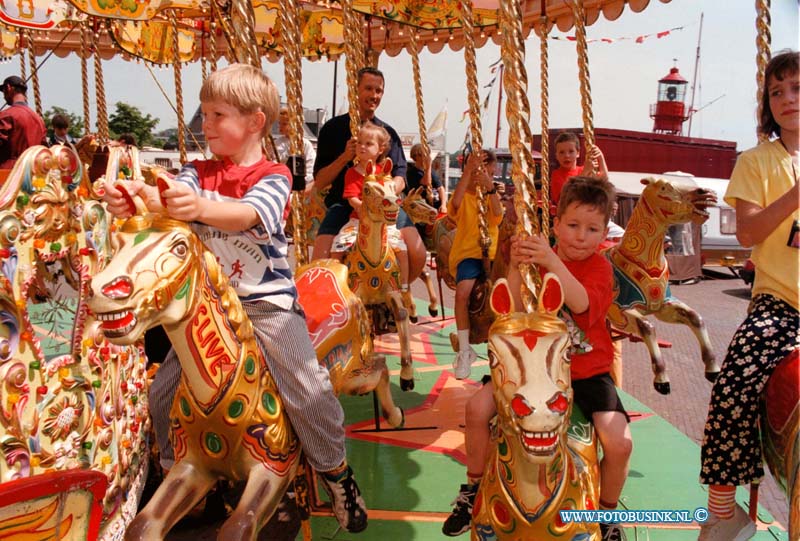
(672, 203)
(151, 279)
(528, 357)
(537, 466)
(418, 209)
(380, 203)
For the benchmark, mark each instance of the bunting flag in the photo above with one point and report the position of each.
(638, 39)
(493, 69)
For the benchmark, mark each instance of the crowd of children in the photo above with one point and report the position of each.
(236, 200)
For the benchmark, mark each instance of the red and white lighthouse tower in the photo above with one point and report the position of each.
(669, 113)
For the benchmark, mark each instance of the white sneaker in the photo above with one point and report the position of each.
(463, 363)
(737, 528)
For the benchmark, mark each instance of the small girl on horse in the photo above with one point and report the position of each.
(372, 146)
(764, 191)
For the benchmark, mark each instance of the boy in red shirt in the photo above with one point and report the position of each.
(567, 153)
(587, 280)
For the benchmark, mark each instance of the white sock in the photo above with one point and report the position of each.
(463, 339)
(404, 288)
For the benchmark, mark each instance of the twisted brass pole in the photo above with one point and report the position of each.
(87, 126)
(544, 70)
(291, 37)
(176, 70)
(352, 37)
(100, 92)
(475, 128)
(583, 74)
(763, 42)
(37, 94)
(22, 43)
(515, 80)
(212, 43)
(423, 132)
(243, 36)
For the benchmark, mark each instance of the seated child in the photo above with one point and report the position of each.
(372, 144)
(586, 278)
(235, 203)
(567, 153)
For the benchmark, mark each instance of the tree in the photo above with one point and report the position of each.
(75, 121)
(128, 119)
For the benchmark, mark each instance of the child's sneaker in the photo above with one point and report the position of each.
(737, 528)
(612, 532)
(461, 517)
(346, 500)
(463, 363)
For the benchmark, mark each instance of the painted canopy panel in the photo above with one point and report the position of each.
(140, 28)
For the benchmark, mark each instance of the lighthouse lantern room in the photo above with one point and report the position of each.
(669, 113)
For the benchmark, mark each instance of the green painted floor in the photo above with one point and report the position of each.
(397, 478)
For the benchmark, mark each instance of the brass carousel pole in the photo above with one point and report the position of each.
(423, 132)
(100, 91)
(354, 56)
(583, 74)
(176, 67)
(523, 168)
(763, 42)
(243, 35)
(544, 69)
(290, 32)
(37, 95)
(87, 126)
(475, 128)
(22, 44)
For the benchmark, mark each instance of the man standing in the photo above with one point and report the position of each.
(282, 146)
(335, 152)
(20, 126)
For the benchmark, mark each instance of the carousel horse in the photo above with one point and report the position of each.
(541, 461)
(641, 276)
(373, 272)
(422, 213)
(780, 433)
(228, 415)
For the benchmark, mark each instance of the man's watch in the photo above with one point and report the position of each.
(492, 191)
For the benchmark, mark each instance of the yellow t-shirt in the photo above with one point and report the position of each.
(761, 175)
(466, 243)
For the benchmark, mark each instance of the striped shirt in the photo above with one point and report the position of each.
(255, 260)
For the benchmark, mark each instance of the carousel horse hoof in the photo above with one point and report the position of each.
(406, 384)
(433, 311)
(661, 387)
(711, 376)
(413, 319)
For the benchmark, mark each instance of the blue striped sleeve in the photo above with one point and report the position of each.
(269, 197)
(188, 175)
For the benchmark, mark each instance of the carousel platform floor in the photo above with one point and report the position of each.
(410, 476)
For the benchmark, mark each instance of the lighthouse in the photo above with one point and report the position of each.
(669, 113)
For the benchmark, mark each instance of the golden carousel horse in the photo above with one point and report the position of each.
(641, 276)
(373, 271)
(541, 461)
(228, 418)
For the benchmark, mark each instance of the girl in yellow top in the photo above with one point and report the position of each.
(764, 191)
(465, 255)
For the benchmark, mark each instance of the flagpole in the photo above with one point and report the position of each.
(499, 109)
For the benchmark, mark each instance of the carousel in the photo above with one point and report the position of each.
(79, 288)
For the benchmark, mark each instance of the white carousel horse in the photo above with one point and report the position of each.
(538, 464)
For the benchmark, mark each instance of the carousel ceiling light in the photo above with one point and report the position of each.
(435, 35)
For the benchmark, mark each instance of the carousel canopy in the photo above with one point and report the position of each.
(143, 28)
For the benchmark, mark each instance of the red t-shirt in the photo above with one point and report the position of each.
(354, 184)
(596, 276)
(558, 178)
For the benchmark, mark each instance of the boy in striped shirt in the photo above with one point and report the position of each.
(235, 204)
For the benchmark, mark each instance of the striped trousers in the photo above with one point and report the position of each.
(304, 386)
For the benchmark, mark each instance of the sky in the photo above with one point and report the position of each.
(624, 75)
